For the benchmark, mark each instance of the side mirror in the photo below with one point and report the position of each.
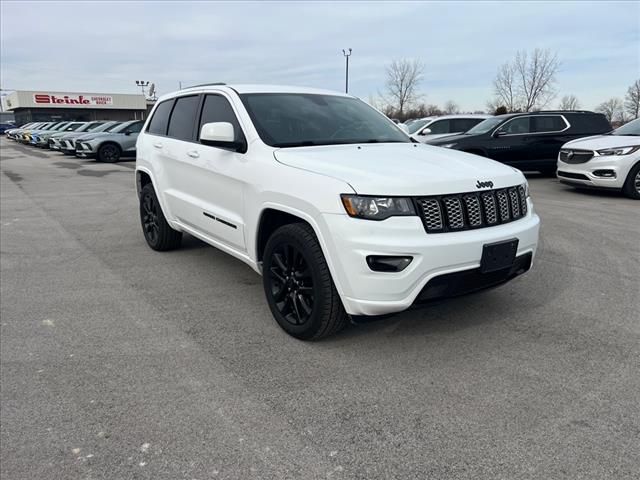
(425, 131)
(127, 132)
(220, 134)
(499, 133)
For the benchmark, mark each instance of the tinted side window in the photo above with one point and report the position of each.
(551, 123)
(464, 124)
(217, 109)
(183, 117)
(439, 126)
(160, 119)
(516, 126)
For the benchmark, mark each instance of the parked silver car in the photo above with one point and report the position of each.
(68, 142)
(110, 146)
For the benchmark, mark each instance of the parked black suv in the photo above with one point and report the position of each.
(527, 141)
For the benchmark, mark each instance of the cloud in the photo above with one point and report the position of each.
(106, 46)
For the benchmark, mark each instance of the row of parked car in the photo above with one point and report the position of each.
(580, 147)
(106, 141)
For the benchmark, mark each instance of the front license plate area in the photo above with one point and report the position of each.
(498, 256)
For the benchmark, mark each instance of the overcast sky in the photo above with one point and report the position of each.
(104, 47)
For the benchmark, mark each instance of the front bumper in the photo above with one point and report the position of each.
(365, 292)
(54, 144)
(584, 174)
(85, 150)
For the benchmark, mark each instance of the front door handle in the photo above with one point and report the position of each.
(193, 154)
(157, 145)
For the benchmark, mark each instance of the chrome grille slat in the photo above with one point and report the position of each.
(449, 213)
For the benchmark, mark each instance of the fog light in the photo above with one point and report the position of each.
(379, 263)
(605, 173)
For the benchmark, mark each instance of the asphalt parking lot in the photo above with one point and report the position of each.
(118, 362)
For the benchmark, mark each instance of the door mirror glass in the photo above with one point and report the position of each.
(499, 133)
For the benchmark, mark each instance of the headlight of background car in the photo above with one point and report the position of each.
(619, 150)
(377, 208)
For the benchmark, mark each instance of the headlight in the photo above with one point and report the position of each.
(377, 208)
(525, 185)
(448, 145)
(619, 150)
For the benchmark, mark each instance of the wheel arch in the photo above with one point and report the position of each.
(273, 216)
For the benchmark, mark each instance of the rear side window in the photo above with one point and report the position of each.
(183, 117)
(464, 124)
(160, 119)
(439, 126)
(547, 123)
(217, 109)
(517, 126)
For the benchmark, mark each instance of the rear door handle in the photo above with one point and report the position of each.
(193, 154)
(157, 145)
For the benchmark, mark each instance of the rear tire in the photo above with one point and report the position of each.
(632, 184)
(298, 285)
(157, 231)
(109, 153)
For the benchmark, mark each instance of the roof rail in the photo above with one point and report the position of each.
(206, 85)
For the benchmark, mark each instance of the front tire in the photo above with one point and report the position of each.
(632, 184)
(109, 153)
(157, 231)
(301, 294)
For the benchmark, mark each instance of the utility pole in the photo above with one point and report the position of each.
(346, 75)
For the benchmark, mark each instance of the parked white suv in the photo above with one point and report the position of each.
(610, 161)
(332, 203)
(431, 128)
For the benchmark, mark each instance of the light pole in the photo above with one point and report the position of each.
(142, 84)
(346, 74)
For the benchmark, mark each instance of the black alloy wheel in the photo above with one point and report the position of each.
(150, 224)
(291, 284)
(157, 231)
(109, 153)
(298, 285)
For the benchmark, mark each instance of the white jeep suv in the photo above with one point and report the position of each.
(341, 213)
(610, 161)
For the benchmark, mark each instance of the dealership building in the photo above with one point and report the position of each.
(42, 106)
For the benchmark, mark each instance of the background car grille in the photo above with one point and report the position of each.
(575, 156)
(451, 213)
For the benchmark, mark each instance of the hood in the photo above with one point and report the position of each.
(400, 168)
(451, 139)
(599, 142)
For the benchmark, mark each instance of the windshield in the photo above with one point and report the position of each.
(299, 119)
(88, 126)
(105, 127)
(418, 124)
(632, 128)
(486, 125)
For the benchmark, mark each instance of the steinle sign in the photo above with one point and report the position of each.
(71, 99)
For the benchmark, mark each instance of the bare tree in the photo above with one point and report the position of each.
(432, 110)
(569, 102)
(612, 109)
(403, 78)
(632, 100)
(505, 88)
(451, 107)
(528, 82)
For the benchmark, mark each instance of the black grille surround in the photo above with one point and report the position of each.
(471, 210)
